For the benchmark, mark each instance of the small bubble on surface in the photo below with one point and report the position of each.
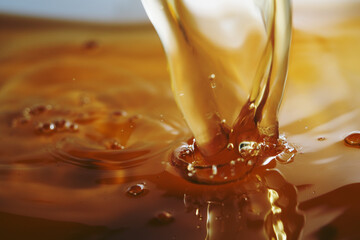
(119, 113)
(61, 124)
(46, 127)
(115, 145)
(212, 76)
(36, 110)
(230, 146)
(164, 217)
(136, 189)
(74, 127)
(353, 139)
(252, 106)
(214, 170)
(190, 167)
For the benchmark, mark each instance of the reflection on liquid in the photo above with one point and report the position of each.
(262, 206)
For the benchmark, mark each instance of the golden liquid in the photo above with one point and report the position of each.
(228, 65)
(225, 61)
(103, 172)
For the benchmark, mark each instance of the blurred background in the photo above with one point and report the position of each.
(307, 13)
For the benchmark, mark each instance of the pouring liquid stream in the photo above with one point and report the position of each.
(228, 64)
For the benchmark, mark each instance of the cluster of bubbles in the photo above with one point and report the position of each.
(59, 125)
(29, 113)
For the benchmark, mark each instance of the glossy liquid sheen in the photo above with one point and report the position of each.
(88, 124)
(224, 58)
(228, 65)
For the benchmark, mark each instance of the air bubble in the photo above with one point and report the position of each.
(119, 113)
(61, 124)
(115, 145)
(74, 127)
(136, 189)
(212, 77)
(214, 170)
(46, 127)
(164, 217)
(230, 146)
(252, 106)
(240, 160)
(353, 139)
(246, 146)
(190, 168)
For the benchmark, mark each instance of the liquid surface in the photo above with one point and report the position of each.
(88, 124)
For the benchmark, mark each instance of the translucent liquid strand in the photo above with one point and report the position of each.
(226, 58)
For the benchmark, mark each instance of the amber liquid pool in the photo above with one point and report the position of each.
(88, 124)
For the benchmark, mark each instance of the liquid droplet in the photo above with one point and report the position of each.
(190, 167)
(115, 145)
(353, 139)
(230, 146)
(119, 113)
(74, 127)
(252, 106)
(61, 124)
(136, 189)
(46, 127)
(164, 217)
(36, 110)
(214, 170)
